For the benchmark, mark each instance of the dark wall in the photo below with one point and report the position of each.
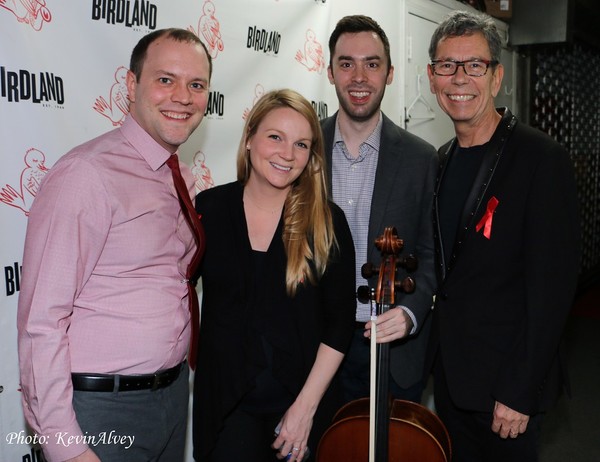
(564, 101)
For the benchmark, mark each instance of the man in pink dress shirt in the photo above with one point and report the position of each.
(103, 318)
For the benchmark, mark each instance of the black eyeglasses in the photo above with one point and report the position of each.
(474, 68)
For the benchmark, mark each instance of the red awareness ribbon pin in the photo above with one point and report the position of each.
(486, 220)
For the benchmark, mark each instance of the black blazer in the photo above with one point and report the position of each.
(503, 301)
(402, 197)
(317, 314)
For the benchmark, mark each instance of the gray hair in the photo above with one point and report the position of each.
(459, 23)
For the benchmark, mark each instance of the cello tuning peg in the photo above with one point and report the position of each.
(407, 285)
(368, 269)
(364, 294)
(409, 262)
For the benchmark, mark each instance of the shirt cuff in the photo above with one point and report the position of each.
(412, 317)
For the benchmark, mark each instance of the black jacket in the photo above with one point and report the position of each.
(503, 301)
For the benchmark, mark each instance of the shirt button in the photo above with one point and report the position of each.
(351, 202)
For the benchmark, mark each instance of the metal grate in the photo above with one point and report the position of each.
(566, 105)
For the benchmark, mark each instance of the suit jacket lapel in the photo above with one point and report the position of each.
(444, 153)
(328, 127)
(388, 164)
(482, 180)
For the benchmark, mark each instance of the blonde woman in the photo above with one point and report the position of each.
(278, 294)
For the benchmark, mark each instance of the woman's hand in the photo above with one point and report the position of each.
(294, 429)
(297, 422)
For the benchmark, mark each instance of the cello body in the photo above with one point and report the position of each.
(415, 435)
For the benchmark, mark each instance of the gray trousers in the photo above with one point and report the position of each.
(136, 426)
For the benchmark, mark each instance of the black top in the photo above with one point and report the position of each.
(268, 395)
(463, 165)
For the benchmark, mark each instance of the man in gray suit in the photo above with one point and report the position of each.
(381, 176)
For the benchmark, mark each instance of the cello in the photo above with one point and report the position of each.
(379, 429)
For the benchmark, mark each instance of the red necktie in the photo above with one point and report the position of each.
(198, 231)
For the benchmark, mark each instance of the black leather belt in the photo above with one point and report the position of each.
(360, 325)
(107, 382)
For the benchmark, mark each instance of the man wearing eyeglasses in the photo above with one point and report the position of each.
(507, 238)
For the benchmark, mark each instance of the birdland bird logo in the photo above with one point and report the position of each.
(31, 178)
(202, 176)
(117, 106)
(312, 57)
(32, 12)
(209, 30)
(259, 90)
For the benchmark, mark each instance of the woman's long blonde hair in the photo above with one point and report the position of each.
(308, 234)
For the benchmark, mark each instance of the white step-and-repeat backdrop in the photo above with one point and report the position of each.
(62, 82)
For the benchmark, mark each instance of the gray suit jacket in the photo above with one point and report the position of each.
(403, 198)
